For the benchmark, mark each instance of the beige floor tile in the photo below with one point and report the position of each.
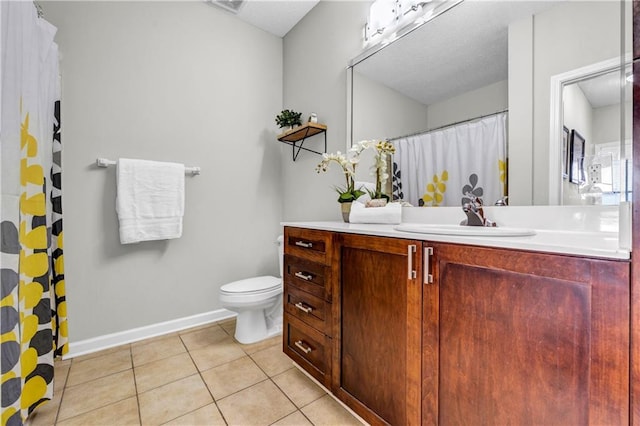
(97, 393)
(294, 419)
(264, 344)
(198, 328)
(202, 338)
(232, 377)
(208, 415)
(261, 404)
(100, 366)
(272, 360)
(157, 349)
(154, 339)
(298, 387)
(173, 400)
(163, 371)
(212, 356)
(99, 353)
(229, 326)
(123, 413)
(45, 414)
(62, 362)
(326, 411)
(60, 374)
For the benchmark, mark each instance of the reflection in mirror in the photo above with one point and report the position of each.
(484, 57)
(599, 169)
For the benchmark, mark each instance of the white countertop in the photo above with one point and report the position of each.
(600, 244)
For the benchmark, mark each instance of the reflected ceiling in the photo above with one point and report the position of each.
(436, 61)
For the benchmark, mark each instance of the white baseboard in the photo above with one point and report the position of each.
(107, 341)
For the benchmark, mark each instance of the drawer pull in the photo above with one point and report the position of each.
(428, 277)
(300, 344)
(303, 276)
(304, 308)
(304, 244)
(411, 273)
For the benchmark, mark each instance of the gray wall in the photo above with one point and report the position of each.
(475, 103)
(606, 123)
(382, 113)
(569, 36)
(169, 81)
(316, 53)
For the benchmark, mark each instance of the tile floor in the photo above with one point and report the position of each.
(200, 376)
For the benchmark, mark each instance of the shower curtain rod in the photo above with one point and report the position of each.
(105, 162)
(447, 125)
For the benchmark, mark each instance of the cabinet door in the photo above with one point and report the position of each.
(377, 359)
(525, 338)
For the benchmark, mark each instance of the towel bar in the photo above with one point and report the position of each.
(105, 162)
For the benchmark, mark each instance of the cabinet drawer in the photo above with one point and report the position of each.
(308, 243)
(308, 308)
(308, 347)
(307, 276)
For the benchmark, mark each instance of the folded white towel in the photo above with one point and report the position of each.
(391, 213)
(150, 201)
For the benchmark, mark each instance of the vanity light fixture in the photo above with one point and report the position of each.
(232, 6)
(391, 19)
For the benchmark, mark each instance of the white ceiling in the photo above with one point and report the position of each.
(604, 90)
(275, 17)
(433, 50)
(439, 61)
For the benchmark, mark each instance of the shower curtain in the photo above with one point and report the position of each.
(443, 167)
(33, 307)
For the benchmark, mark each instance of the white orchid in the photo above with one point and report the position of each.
(348, 164)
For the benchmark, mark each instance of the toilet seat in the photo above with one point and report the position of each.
(252, 286)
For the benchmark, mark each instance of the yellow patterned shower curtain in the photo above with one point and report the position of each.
(32, 301)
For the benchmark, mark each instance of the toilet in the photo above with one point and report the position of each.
(258, 302)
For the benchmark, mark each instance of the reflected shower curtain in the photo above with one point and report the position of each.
(33, 308)
(439, 168)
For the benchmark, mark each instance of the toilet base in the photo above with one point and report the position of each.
(251, 327)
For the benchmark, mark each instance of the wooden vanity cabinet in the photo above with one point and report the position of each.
(307, 325)
(409, 332)
(376, 361)
(514, 337)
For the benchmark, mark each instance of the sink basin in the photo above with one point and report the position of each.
(471, 231)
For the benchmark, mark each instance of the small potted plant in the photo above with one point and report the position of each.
(348, 163)
(288, 118)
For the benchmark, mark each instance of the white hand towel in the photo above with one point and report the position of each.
(391, 213)
(150, 200)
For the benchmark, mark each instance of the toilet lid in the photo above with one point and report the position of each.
(252, 285)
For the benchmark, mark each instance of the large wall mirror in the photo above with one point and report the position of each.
(534, 94)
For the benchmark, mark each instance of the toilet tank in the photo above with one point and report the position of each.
(280, 243)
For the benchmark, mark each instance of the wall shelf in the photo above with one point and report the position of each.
(300, 134)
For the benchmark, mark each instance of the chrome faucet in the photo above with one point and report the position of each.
(504, 201)
(475, 213)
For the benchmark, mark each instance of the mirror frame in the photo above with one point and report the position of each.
(556, 115)
(634, 389)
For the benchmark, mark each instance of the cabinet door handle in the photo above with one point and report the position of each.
(411, 274)
(428, 252)
(304, 308)
(304, 244)
(300, 344)
(303, 276)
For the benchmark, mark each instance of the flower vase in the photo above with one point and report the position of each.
(345, 208)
